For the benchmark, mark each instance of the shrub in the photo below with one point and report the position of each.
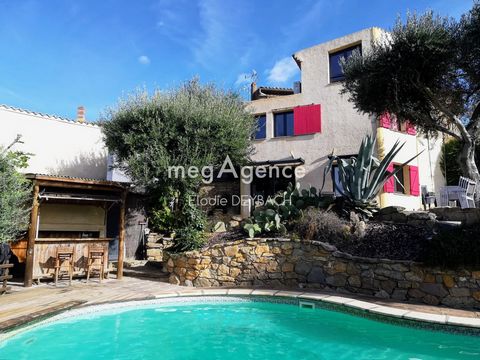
(453, 248)
(188, 238)
(322, 225)
(15, 193)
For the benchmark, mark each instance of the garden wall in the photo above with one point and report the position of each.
(283, 263)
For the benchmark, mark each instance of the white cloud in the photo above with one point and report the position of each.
(144, 60)
(283, 70)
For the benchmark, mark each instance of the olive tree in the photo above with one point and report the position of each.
(426, 71)
(193, 125)
(15, 192)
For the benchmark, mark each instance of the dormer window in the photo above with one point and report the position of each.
(336, 72)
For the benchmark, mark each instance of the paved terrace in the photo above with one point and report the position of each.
(23, 305)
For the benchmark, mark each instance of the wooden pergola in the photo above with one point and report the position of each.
(77, 191)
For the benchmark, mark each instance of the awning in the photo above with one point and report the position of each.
(281, 162)
(78, 197)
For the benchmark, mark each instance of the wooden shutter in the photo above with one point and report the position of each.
(385, 120)
(389, 186)
(307, 119)
(410, 128)
(414, 181)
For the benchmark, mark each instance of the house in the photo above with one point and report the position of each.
(307, 123)
(78, 199)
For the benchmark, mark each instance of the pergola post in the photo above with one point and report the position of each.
(32, 234)
(121, 236)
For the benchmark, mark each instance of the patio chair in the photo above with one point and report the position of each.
(467, 198)
(428, 198)
(96, 253)
(64, 255)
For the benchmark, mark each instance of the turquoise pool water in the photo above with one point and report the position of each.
(232, 330)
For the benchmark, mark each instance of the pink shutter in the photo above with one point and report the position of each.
(385, 120)
(414, 181)
(307, 119)
(410, 128)
(389, 186)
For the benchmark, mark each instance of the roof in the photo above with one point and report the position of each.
(45, 116)
(267, 91)
(44, 178)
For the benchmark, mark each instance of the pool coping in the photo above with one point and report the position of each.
(334, 300)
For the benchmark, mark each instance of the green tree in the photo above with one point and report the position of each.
(427, 71)
(192, 125)
(15, 192)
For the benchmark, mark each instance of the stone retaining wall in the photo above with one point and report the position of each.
(282, 263)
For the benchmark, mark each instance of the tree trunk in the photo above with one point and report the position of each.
(466, 160)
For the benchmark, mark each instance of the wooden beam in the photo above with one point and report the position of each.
(32, 233)
(121, 236)
(83, 186)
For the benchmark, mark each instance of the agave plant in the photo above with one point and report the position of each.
(362, 177)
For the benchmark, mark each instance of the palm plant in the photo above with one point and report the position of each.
(362, 177)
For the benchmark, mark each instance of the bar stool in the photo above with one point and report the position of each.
(96, 253)
(64, 255)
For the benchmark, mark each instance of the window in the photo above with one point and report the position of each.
(399, 185)
(261, 132)
(336, 72)
(283, 123)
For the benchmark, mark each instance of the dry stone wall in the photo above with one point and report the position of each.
(283, 263)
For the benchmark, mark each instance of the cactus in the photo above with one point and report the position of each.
(363, 176)
(280, 211)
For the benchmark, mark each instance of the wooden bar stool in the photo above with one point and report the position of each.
(96, 253)
(64, 255)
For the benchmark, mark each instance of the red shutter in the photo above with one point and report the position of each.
(414, 181)
(307, 119)
(385, 120)
(389, 186)
(410, 128)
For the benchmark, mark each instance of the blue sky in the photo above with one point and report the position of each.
(57, 55)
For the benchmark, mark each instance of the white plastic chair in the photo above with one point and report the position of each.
(467, 198)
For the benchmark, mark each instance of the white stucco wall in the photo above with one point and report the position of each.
(385, 140)
(58, 146)
(343, 128)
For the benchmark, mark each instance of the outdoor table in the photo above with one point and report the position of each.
(448, 193)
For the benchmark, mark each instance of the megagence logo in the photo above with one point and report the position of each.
(246, 175)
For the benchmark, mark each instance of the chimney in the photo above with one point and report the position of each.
(253, 89)
(81, 114)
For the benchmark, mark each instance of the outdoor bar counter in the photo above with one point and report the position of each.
(71, 212)
(46, 251)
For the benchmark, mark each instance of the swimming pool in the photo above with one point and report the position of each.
(229, 328)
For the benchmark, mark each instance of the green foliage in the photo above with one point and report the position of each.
(449, 160)
(454, 248)
(321, 225)
(188, 238)
(193, 125)
(281, 211)
(15, 192)
(363, 176)
(426, 71)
